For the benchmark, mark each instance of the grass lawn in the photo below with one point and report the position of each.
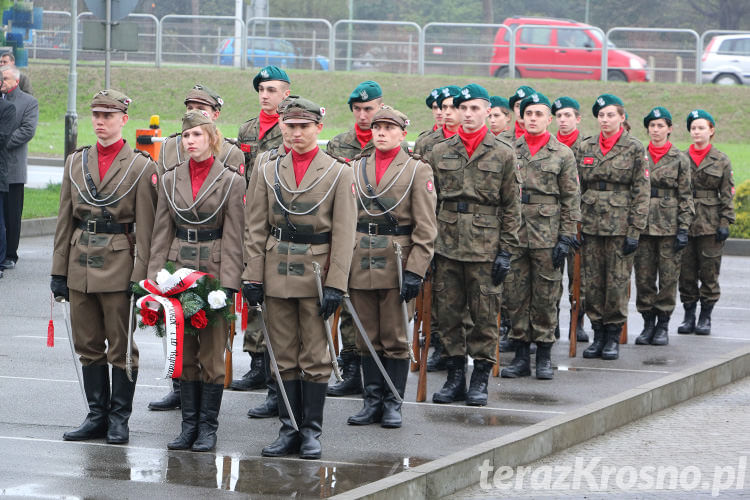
(41, 202)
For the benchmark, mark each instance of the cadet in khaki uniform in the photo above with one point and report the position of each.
(550, 211)
(173, 153)
(106, 192)
(300, 210)
(713, 191)
(614, 206)
(398, 207)
(669, 216)
(478, 222)
(199, 225)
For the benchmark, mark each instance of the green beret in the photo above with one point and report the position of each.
(195, 117)
(520, 93)
(565, 102)
(446, 92)
(470, 92)
(109, 101)
(535, 98)
(365, 92)
(302, 110)
(605, 100)
(499, 102)
(270, 73)
(656, 113)
(204, 95)
(390, 115)
(432, 97)
(699, 113)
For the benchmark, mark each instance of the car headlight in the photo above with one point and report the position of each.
(636, 64)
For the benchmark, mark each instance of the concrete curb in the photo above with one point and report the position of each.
(38, 227)
(455, 472)
(46, 162)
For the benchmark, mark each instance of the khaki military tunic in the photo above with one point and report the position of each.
(252, 146)
(479, 214)
(173, 153)
(614, 204)
(217, 207)
(550, 209)
(98, 265)
(325, 203)
(713, 193)
(407, 185)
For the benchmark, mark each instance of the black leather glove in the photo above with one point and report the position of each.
(681, 240)
(722, 233)
(59, 286)
(500, 267)
(331, 301)
(562, 250)
(230, 292)
(131, 288)
(629, 246)
(411, 285)
(253, 293)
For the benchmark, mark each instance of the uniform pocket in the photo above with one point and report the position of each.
(119, 242)
(448, 228)
(484, 228)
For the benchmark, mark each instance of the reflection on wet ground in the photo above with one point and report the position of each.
(482, 419)
(658, 361)
(532, 397)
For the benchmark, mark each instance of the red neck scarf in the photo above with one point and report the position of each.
(518, 130)
(363, 136)
(198, 173)
(606, 144)
(106, 155)
(698, 154)
(569, 139)
(535, 142)
(448, 134)
(266, 122)
(657, 153)
(435, 127)
(286, 149)
(301, 162)
(471, 140)
(383, 161)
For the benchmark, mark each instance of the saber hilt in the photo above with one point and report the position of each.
(404, 309)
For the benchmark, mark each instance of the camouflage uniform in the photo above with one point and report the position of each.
(479, 215)
(550, 208)
(427, 140)
(670, 209)
(614, 205)
(713, 190)
(576, 148)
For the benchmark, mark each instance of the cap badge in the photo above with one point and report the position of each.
(465, 93)
(220, 101)
(657, 113)
(322, 111)
(535, 98)
(521, 93)
(558, 104)
(363, 95)
(434, 94)
(695, 113)
(600, 101)
(446, 91)
(264, 74)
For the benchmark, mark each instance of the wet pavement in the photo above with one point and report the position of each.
(41, 400)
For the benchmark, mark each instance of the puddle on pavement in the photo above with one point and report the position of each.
(480, 419)
(530, 397)
(658, 361)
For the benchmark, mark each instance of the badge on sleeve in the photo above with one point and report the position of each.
(246, 148)
(645, 172)
(244, 200)
(154, 179)
(588, 160)
(430, 186)
(353, 191)
(242, 169)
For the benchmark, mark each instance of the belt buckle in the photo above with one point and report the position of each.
(192, 236)
(91, 226)
(276, 233)
(462, 207)
(372, 229)
(525, 197)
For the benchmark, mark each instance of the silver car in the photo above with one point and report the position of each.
(726, 60)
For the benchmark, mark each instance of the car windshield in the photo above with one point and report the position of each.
(598, 36)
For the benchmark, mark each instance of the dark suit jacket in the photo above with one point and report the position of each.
(24, 127)
(7, 117)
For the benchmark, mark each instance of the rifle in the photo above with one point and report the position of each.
(575, 302)
(419, 317)
(426, 308)
(228, 353)
(624, 331)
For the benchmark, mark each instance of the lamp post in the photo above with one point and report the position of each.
(71, 117)
(349, 43)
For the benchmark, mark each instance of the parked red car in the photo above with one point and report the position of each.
(559, 48)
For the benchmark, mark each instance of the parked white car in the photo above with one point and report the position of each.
(726, 60)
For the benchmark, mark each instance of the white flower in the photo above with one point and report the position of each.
(162, 277)
(217, 299)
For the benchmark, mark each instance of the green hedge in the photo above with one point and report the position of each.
(741, 226)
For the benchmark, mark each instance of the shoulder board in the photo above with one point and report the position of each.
(174, 135)
(232, 168)
(144, 153)
(424, 132)
(416, 156)
(359, 156)
(233, 142)
(272, 154)
(81, 149)
(338, 158)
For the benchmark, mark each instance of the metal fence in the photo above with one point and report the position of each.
(400, 47)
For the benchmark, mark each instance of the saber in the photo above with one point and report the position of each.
(275, 367)
(329, 336)
(129, 352)
(370, 348)
(404, 309)
(68, 327)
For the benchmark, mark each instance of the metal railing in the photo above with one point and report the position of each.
(312, 48)
(200, 47)
(390, 50)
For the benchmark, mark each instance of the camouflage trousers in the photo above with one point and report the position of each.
(569, 262)
(656, 258)
(253, 341)
(532, 292)
(461, 285)
(701, 260)
(606, 273)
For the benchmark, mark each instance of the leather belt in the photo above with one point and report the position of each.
(545, 199)
(464, 207)
(663, 193)
(94, 226)
(384, 229)
(284, 234)
(607, 186)
(198, 235)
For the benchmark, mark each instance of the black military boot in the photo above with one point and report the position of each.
(649, 324)
(454, 388)
(313, 401)
(661, 333)
(352, 383)
(581, 335)
(288, 441)
(688, 324)
(544, 369)
(398, 370)
(208, 422)
(270, 407)
(611, 349)
(521, 364)
(704, 320)
(477, 393)
(437, 362)
(372, 411)
(96, 387)
(253, 379)
(120, 406)
(595, 349)
(169, 402)
(190, 403)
